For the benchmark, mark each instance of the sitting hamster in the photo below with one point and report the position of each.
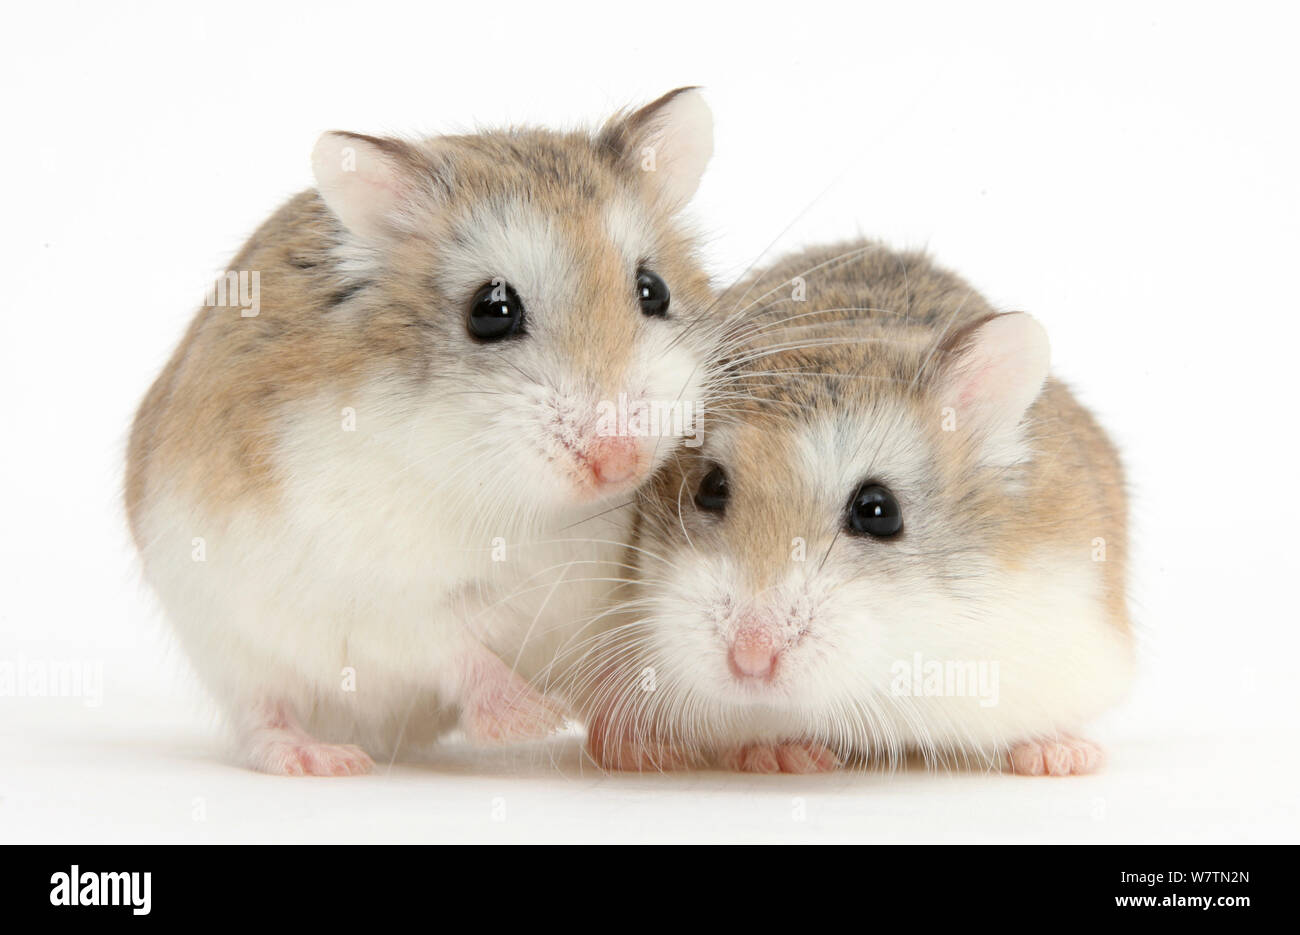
(373, 501)
(899, 536)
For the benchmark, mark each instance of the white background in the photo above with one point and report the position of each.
(1128, 173)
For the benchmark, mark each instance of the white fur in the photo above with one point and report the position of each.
(626, 224)
(375, 555)
(369, 565)
(854, 608)
(1058, 661)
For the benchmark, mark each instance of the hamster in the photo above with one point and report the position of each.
(374, 506)
(900, 536)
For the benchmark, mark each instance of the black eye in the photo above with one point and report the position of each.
(713, 491)
(495, 312)
(873, 511)
(652, 292)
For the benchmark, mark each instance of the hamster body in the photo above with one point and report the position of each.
(899, 536)
(374, 507)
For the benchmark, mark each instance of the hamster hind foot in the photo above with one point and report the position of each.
(1056, 756)
(276, 744)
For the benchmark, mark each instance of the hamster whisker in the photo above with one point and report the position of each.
(574, 539)
(594, 516)
(843, 257)
(736, 313)
(781, 348)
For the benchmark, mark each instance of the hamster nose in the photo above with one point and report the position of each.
(754, 651)
(614, 459)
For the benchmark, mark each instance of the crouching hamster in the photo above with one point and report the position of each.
(899, 536)
(373, 504)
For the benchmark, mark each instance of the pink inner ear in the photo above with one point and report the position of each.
(974, 381)
(1001, 372)
(374, 192)
(368, 197)
(381, 181)
(682, 134)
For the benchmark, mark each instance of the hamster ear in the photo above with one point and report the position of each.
(368, 182)
(996, 369)
(669, 141)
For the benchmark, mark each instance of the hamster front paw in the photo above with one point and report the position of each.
(1058, 756)
(500, 707)
(800, 757)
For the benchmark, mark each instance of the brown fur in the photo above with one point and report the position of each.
(885, 324)
(208, 423)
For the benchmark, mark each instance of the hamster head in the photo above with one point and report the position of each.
(839, 516)
(528, 297)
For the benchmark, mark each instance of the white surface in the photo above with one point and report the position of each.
(151, 775)
(1127, 174)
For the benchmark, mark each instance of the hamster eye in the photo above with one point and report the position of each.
(713, 493)
(495, 312)
(874, 511)
(652, 291)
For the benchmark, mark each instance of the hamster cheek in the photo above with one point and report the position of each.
(665, 385)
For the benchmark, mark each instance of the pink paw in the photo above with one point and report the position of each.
(797, 757)
(306, 757)
(1060, 756)
(510, 712)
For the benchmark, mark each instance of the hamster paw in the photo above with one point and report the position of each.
(307, 757)
(509, 710)
(1059, 756)
(275, 743)
(499, 706)
(507, 717)
(798, 757)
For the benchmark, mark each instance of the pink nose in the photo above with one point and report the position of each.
(614, 459)
(754, 651)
